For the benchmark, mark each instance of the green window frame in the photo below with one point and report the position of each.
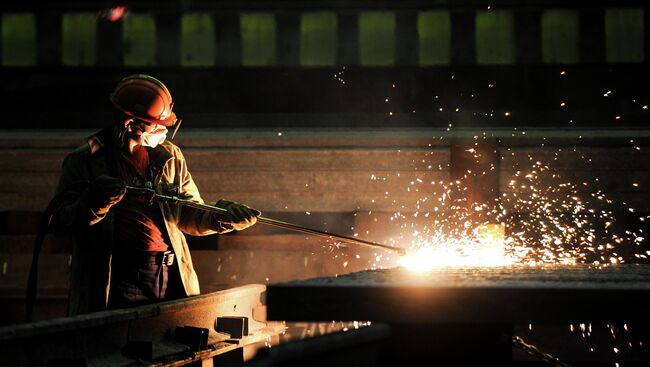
(560, 36)
(624, 35)
(318, 39)
(434, 38)
(258, 36)
(495, 37)
(377, 38)
(18, 39)
(197, 40)
(139, 40)
(79, 39)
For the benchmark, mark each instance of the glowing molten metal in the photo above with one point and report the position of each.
(485, 247)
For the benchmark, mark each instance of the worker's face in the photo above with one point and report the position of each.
(145, 133)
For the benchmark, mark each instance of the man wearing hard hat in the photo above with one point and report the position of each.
(127, 252)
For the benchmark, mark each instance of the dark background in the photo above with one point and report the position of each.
(49, 95)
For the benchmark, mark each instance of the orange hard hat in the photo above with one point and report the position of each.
(145, 98)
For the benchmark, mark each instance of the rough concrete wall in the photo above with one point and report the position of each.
(292, 171)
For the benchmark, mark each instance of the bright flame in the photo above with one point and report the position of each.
(484, 247)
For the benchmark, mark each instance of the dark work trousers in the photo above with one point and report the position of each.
(140, 284)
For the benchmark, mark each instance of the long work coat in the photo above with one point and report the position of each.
(92, 236)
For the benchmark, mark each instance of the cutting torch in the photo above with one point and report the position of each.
(150, 193)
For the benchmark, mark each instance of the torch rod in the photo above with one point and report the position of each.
(268, 221)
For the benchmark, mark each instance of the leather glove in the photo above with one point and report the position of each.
(238, 216)
(105, 191)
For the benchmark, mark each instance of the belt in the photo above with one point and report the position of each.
(143, 257)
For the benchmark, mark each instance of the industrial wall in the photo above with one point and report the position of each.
(365, 33)
(350, 182)
(359, 63)
(356, 117)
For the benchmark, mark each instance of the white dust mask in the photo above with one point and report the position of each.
(154, 138)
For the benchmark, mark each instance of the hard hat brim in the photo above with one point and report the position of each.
(168, 122)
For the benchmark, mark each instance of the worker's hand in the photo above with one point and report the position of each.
(105, 191)
(239, 216)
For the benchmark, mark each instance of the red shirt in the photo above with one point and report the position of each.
(138, 225)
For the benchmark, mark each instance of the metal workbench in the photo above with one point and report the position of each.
(553, 294)
(457, 316)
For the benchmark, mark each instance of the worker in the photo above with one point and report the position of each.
(126, 250)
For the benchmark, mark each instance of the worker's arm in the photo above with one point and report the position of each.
(199, 222)
(80, 200)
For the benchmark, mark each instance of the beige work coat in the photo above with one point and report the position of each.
(92, 236)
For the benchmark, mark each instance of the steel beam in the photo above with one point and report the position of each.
(100, 338)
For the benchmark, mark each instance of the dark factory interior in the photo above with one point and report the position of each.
(354, 183)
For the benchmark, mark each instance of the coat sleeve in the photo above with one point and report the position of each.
(192, 221)
(71, 206)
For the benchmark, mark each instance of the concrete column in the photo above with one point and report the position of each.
(406, 39)
(228, 49)
(463, 41)
(109, 43)
(592, 36)
(528, 36)
(646, 35)
(48, 33)
(348, 39)
(288, 39)
(168, 40)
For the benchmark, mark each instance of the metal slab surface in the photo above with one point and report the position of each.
(470, 295)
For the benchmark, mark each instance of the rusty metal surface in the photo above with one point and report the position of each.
(470, 295)
(97, 339)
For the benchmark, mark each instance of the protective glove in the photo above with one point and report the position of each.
(105, 191)
(238, 216)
